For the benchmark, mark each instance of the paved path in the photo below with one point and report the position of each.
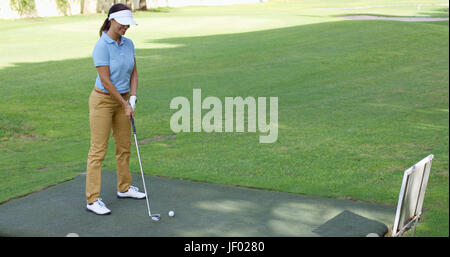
(410, 19)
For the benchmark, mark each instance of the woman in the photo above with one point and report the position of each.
(111, 105)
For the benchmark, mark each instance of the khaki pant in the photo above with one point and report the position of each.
(105, 113)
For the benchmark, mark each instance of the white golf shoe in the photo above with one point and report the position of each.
(98, 207)
(132, 192)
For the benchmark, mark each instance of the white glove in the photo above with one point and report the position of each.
(133, 101)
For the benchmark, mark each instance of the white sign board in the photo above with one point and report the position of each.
(412, 193)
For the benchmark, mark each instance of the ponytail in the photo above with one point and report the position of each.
(105, 26)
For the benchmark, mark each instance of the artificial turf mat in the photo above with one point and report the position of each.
(201, 210)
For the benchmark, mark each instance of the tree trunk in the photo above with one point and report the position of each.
(142, 5)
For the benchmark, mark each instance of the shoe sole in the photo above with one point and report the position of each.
(98, 213)
(122, 197)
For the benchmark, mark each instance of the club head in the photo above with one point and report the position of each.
(156, 217)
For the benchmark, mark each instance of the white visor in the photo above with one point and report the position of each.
(123, 17)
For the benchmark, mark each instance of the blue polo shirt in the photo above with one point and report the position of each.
(119, 58)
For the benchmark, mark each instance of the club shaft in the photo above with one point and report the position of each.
(142, 173)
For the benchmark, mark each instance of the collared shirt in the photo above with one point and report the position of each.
(119, 58)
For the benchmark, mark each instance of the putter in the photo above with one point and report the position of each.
(155, 217)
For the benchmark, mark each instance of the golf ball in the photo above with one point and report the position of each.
(171, 213)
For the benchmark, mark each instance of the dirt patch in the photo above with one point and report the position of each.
(155, 139)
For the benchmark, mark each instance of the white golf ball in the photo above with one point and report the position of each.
(171, 213)
(72, 235)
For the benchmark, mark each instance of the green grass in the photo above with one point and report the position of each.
(359, 101)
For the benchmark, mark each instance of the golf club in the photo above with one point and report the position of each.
(155, 217)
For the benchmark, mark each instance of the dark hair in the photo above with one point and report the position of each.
(113, 9)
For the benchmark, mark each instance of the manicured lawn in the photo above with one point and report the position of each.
(358, 101)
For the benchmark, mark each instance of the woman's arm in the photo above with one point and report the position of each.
(103, 72)
(134, 80)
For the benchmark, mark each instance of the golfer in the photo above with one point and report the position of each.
(111, 105)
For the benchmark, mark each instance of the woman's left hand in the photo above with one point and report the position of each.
(129, 111)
